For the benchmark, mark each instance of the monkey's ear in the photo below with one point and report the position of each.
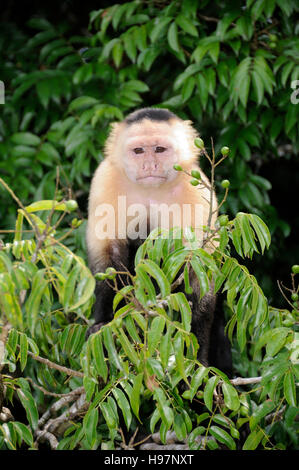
(110, 148)
(185, 136)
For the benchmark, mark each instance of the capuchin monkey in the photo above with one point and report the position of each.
(136, 177)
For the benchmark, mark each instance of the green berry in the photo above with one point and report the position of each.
(71, 205)
(177, 167)
(273, 37)
(118, 322)
(100, 276)
(225, 183)
(223, 220)
(244, 410)
(234, 433)
(199, 143)
(272, 45)
(295, 268)
(110, 273)
(294, 297)
(194, 182)
(225, 150)
(196, 174)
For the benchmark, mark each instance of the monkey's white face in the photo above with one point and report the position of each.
(150, 153)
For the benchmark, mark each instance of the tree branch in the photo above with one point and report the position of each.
(52, 365)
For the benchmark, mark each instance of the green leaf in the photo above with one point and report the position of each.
(41, 38)
(23, 350)
(289, 388)
(214, 49)
(231, 397)
(29, 404)
(117, 53)
(69, 286)
(146, 285)
(110, 346)
(172, 37)
(90, 422)
(159, 25)
(179, 427)
(166, 412)
(130, 47)
(155, 333)
(185, 24)
(203, 90)
(32, 304)
(197, 379)
(178, 346)
(98, 355)
(25, 138)
(258, 86)
(260, 412)
(261, 230)
(253, 440)
(201, 276)
(109, 415)
(135, 395)
(188, 88)
(82, 102)
(209, 390)
(188, 288)
(165, 346)
(223, 437)
(24, 432)
(277, 340)
(185, 309)
(157, 273)
(128, 348)
(240, 82)
(123, 405)
(84, 290)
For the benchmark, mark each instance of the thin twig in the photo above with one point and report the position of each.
(284, 296)
(52, 365)
(77, 391)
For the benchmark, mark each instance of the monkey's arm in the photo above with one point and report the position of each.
(112, 253)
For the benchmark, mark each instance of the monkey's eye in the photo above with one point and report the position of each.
(138, 150)
(160, 149)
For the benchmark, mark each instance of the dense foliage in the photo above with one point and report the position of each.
(231, 69)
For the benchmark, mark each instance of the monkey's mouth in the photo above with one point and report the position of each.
(151, 178)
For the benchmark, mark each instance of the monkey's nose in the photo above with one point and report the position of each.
(150, 165)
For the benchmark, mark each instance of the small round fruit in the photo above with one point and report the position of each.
(177, 167)
(194, 182)
(100, 276)
(294, 297)
(225, 150)
(196, 174)
(225, 184)
(71, 205)
(110, 273)
(295, 268)
(223, 220)
(199, 143)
